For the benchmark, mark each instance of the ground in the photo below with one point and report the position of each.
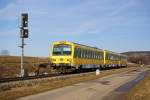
(98, 89)
(140, 91)
(91, 86)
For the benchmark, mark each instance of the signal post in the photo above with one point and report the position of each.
(24, 33)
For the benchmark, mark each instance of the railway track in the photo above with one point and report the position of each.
(4, 80)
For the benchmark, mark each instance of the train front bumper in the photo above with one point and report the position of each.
(61, 64)
(59, 61)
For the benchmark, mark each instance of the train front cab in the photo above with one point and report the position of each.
(61, 56)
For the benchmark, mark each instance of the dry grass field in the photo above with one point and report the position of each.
(10, 65)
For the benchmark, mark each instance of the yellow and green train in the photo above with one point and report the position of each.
(69, 56)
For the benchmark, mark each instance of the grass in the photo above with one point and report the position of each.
(25, 91)
(140, 91)
(10, 65)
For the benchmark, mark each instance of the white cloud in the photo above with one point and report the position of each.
(126, 5)
(82, 18)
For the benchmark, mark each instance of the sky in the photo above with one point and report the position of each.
(116, 25)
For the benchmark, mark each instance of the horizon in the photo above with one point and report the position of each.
(48, 55)
(118, 26)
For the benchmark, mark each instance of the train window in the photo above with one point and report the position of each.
(89, 54)
(117, 57)
(79, 53)
(106, 57)
(57, 51)
(92, 55)
(95, 55)
(62, 50)
(111, 57)
(98, 57)
(76, 52)
(85, 54)
(101, 55)
(66, 50)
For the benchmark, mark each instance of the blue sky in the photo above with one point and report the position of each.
(116, 25)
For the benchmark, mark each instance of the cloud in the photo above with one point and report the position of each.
(123, 7)
(78, 16)
(86, 17)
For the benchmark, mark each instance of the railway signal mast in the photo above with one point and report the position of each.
(23, 34)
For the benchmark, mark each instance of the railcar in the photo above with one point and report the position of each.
(123, 60)
(69, 56)
(111, 59)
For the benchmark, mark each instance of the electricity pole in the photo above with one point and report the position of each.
(23, 34)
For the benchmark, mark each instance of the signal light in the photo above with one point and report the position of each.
(24, 20)
(24, 33)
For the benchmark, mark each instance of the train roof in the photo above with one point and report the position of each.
(119, 54)
(123, 55)
(87, 46)
(112, 52)
(77, 44)
(92, 47)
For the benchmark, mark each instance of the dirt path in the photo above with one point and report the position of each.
(92, 90)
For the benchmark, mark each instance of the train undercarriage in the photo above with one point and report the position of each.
(63, 68)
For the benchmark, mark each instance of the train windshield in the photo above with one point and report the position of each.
(62, 50)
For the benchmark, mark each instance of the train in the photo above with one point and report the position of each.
(69, 56)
